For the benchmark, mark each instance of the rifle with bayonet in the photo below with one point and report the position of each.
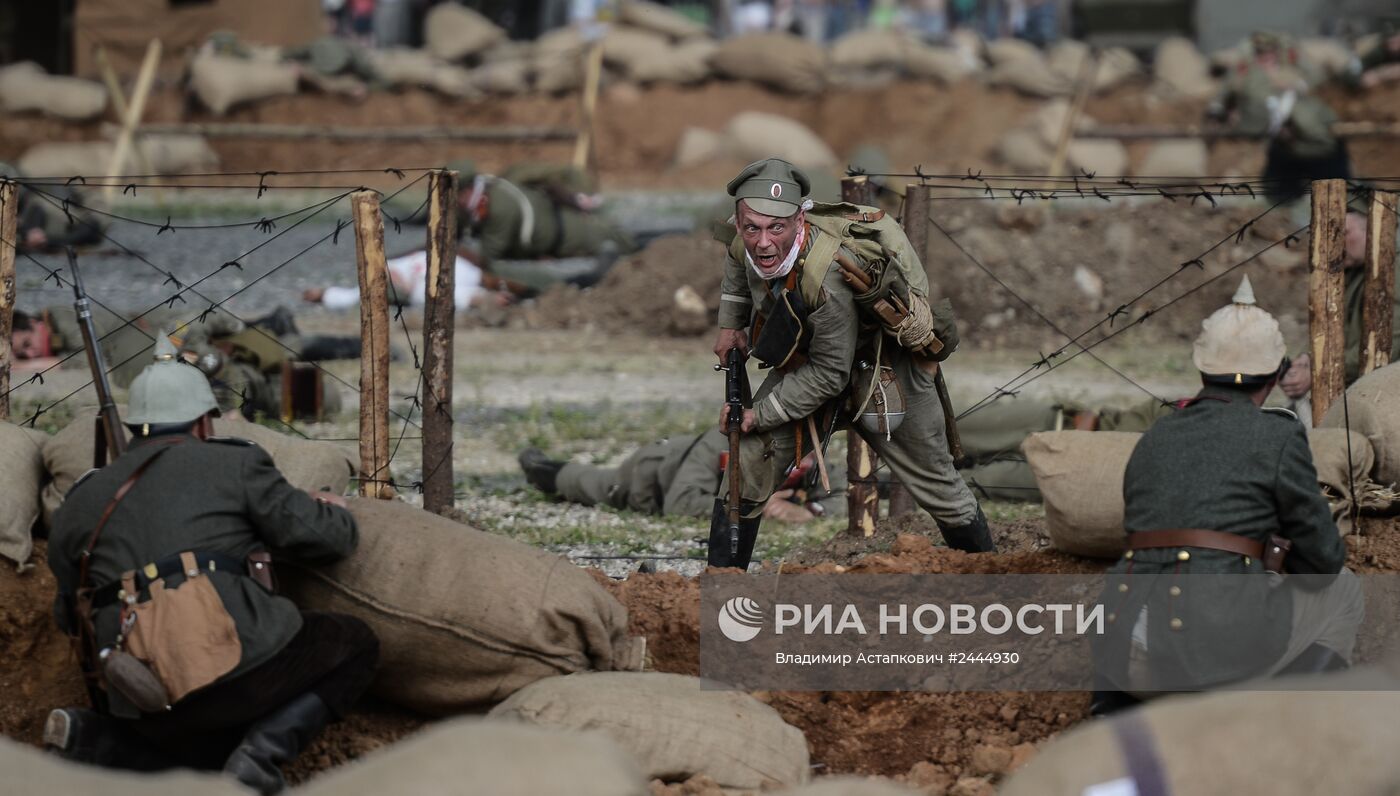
(736, 399)
(109, 436)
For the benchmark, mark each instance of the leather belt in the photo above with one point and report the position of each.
(1196, 537)
(211, 562)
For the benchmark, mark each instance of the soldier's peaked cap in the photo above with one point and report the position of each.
(772, 187)
(169, 391)
(1239, 343)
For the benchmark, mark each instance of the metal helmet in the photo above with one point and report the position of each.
(169, 391)
(1239, 343)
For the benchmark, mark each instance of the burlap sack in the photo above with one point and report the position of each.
(1080, 475)
(780, 60)
(167, 154)
(401, 66)
(1024, 151)
(29, 770)
(944, 64)
(1374, 406)
(179, 154)
(870, 49)
(1114, 66)
(495, 757)
(1030, 76)
(660, 19)
(1181, 69)
(1049, 121)
(1341, 468)
(221, 82)
(1295, 743)
(464, 618)
(453, 32)
(684, 63)
(1331, 56)
(753, 135)
(27, 87)
(307, 464)
(673, 728)
(1098, 156)
(1184, 157)
(21, 478)
(558, 61)
(1005, 51)
(629, 50)
(698, 145)
(502, 77)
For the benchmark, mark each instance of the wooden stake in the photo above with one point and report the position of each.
(9, 221)
(1088, 72)
(1325, 294)
(374, 346)
(1379, 294)
(592, 79)
(114, 88)
(862, 493)
(438, 327)
(132, 120)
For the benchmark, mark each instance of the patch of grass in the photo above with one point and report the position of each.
(52, 419)
(998, 511)
(601, 431)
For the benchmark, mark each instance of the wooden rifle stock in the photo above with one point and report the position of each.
(110, 441)
(735, 397)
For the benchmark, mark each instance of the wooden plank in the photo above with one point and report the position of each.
(588, 104)
(132, 119)
(9, 220)
(374, 346)
(1377, 306)
(438, 324)
(1325, 294)
(862, 493)
(1088, 71)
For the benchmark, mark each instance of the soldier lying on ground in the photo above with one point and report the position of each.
(408, 286)
(153, 565)
(1380, 63)
(41, 227)
(1205, 492)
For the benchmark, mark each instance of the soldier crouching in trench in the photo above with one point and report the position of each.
(190, 656)
(784, 273)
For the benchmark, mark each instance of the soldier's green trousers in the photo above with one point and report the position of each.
(916, 452)
(675, 477)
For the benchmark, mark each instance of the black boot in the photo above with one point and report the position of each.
(323, 347)
(279, 322)
(541, 471)
(86, 736)
(1316, 659)
(974, 537)
(277, 739)
(719, 552)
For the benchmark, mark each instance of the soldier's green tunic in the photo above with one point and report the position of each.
(1222, 464)
(78, 227)
(222, 497)
(1354, 299)
(126, 344)
(917, 451)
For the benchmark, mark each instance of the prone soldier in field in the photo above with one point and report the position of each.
(812, 287)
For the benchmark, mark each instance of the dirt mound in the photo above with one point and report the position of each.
(639, 293)
(37, 669)
(368, 728)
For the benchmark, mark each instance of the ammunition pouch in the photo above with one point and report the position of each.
(783, 333)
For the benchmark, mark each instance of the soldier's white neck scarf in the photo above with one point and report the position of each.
(783, 268)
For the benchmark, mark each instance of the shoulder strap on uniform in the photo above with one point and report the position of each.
(1280, 411)
(112, 506)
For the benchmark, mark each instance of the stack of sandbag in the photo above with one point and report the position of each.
(1030, 146)
(945, 64)
(671, 726)
(403, 67)
(30, 770)
(26, 86)
(167, 154)
(779, 60)
(558, 61)
(753, 135)
(1080, 475)
(222, 82)
(1175, 157)
(1343, 462)
(21, 479)
(464, 618)
(1373, 408)
(453, 32)
(307, 464)
(660, 19)
(1020, 65)
(653, 44)
(1301, 742)
(1181, 70)
(1112, 68)
(495, 757)
(866, 54)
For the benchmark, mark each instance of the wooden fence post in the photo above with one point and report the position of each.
(1379, 293)
(862, 492)
(9, 201)
(1325, 294)
(438, 327)
(374, 347)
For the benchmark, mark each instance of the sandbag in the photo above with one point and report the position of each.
(167, 154)
(753, 135)
(1374, 406)
(1181, 157)
(660, 19)
(1005, 51)
(27, 87)
(1048, 121)
(944, 64)
(1080, 475)
(1024, 151)
(558, 61)
(501, 77)
(698, 145)
(870, 49)
(673, 728)
(29, 770)
(686, 63)
(488, 757)
(1099, 156)
(21, 479)
(453, 32)
(1339, 464)
(1030, 76)
(1181, 69)
(221, 82)
(1332, 56)
(629, 50)
(780, 60)
(401, 66)
(1298, 742)
(464, 618)
(307, 464)
(1112, 68)
(178, 153)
